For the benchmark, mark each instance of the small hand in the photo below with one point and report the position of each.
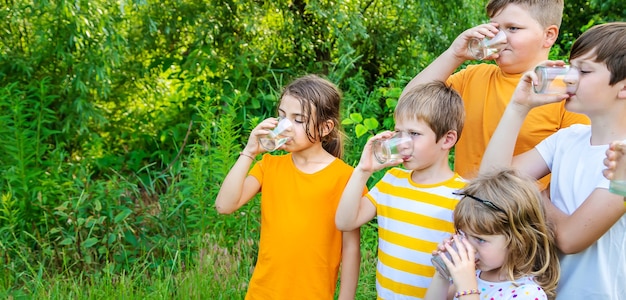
(253, 147)
(463, 265)
(460, 45)
(615, 151)
(368, 162)
(525, 97)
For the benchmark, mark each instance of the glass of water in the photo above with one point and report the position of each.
(481, 48)
(556, 80)
(399, 146)
(278, 136)
(440, 265)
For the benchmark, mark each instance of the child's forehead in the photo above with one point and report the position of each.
(410, 123)
(290, 104)
(589, 57)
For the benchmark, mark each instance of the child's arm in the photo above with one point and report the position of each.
(439, 288)
(442, 67)
(597, 214)
(594, 217)
(499, 152)
(238, 188)
(350, 263)
(354, 209)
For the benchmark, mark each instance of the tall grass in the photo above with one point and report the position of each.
(215, 272)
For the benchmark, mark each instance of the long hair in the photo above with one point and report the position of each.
(320, 100)
(530, 239)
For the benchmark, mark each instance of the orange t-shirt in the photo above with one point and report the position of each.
(300, 247)
(486, 91)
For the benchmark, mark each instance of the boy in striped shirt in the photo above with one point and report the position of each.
(413, 204)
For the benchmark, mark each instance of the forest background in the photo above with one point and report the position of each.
(119, 120)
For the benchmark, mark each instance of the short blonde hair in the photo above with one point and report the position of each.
(546, 12)
(435, 103)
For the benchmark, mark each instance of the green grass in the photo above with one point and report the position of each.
(216, 272)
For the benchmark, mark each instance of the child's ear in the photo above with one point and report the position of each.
(622, 91)
(328, 127)
(552, 33)
(449, 139)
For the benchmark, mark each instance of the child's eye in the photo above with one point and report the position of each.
(584, 72)
(479, 240)
(299, 121)
(513, 28)
(413, 134)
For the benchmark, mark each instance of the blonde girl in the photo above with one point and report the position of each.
(300, 250)
(505, 248)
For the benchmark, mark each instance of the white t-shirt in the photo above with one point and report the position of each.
(524, 288)
(598, 272)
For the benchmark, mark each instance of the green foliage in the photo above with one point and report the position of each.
(119, 121)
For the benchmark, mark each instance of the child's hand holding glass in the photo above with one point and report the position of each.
(481, 42)
(277, 137)
(386, 149)
(455, 261)
(269, 135)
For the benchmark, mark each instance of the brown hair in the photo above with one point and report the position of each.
(321, 101)
(437, 104)
(609, 43)
(530, 239)
(546, 12)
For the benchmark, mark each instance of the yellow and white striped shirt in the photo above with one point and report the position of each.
(412, 220)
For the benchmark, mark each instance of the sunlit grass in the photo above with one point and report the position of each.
(216, 272)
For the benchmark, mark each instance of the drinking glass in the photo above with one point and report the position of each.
(618, 183)
(278, 136)
(481, 48)
(556, 80)
(440, 265)
(400, 145)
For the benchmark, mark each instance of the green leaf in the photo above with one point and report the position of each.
(371, 123)
(67, 241)
(347, 121)
(393, 93)
(360, 130)
(88, 243)
(356, 117)
(122, 215)
(391, 103)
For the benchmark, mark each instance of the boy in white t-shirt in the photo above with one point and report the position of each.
(589, 220)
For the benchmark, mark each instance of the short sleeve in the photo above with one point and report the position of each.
(547, 149)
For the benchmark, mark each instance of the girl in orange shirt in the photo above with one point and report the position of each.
(300, 250)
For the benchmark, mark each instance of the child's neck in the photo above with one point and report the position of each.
(607, 128)
(432, 174)
(496, 275)
(312, 159)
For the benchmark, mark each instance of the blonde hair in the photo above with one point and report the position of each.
(320, 100)
(435, 103)
(518, 214)
(546, 12)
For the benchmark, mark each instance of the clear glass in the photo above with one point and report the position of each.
(440, 265)
(481, 48)
(280, 135)
(400, 145)
(556, 80)
(618, 183)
